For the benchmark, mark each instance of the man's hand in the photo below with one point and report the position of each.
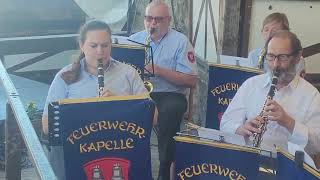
(275, 112)
(249, 127)
(149, 68)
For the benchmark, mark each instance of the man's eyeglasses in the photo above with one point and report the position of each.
(158, 19)
(280, 57)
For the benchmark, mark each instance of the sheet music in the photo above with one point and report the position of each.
(234, 60)
(206, 133)
(121, 40)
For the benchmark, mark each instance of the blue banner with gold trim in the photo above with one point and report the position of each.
(224, 81)
(132, 55)
(287, 168)
(104, 138)
(204, 160)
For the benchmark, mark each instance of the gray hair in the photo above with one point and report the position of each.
(158, 3)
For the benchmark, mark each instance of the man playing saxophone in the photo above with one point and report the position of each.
(293, 115)
(175, 70)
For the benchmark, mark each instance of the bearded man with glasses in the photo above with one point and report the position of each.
(175, 71)
(293, 114)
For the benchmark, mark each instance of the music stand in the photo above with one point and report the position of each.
(148, 74)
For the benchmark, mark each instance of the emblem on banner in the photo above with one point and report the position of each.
(191, 57)
(107, 168)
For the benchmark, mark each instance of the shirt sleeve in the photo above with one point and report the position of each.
(57, 91)
(307, 133)
(235, 115)
(186, 59)
(253, 57)
(137, 37)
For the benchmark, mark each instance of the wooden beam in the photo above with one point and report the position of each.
(314, 79)
(311, 50)
(35, 44)
(246, 6)
(229, 27)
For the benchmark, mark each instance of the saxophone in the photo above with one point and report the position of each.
(100, 76)
(263, 53)
(147, 43)
(257, 137)
(148, 85)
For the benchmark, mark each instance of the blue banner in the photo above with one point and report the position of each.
(203, 160)
(104, 139)
(287, 169)
(224, 81)
(130, 54)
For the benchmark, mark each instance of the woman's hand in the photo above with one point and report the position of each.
(106, 93)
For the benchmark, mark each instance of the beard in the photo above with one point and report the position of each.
(286, 75)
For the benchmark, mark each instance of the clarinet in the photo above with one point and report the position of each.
(257, 137)
(100, 76)
(261, 58)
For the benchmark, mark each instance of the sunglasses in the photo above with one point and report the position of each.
(158, 19)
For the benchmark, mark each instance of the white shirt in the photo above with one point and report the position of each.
(299, 99)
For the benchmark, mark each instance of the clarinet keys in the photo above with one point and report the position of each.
(100, 76)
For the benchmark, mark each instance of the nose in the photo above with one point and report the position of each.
(153, 21)
(276, 62)
(99, 49)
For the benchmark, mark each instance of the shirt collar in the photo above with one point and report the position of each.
(292, 85)
(158, 42)
(83, 64)
(111, 63)
(266, 80)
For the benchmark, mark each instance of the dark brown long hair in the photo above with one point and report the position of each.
(73, 75)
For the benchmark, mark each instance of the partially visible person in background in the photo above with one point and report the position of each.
(272, 23)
